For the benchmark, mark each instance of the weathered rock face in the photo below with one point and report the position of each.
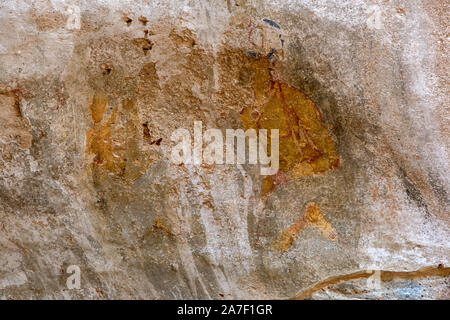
(91, 92)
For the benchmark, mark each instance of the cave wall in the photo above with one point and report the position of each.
(91, 92)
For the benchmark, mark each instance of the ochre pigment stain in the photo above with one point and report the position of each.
(313, 217)
(14, 127)
(160, 223)
(98, 106)
(305, 145)
(115, 142)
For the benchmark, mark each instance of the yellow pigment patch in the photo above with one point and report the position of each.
(312, 217)
(160, 223)
(305, 145)
(98, 106)
(116, 142)
(315, 218)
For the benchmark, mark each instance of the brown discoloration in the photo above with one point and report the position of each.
(157, 142)
(313, 217)
(183, 37)
(401, 11)
(127, 20)
(144, 43)
(143, 20)
(106, 68)
(146, 133)
(13, 126)
(48, 21)
(179, 96)
(159, 223)
(148, 80)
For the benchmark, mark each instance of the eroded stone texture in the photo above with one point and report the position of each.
(14, 127)
(91, 92)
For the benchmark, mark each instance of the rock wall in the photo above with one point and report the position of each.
(92, 91)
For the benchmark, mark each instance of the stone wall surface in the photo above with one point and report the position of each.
(91, 92)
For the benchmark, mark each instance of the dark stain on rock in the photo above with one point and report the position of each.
(146, 132)
(438, 187)
(106, 69)
(157, 141)
(413, 193)
(143, 20)
(127, 20)
(145, 44)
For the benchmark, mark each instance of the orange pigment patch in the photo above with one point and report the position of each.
(98, 106)
(312, 217)
(160, 223)
(116, 142)
(305, 145)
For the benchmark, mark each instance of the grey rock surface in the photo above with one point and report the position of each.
(91, 92)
